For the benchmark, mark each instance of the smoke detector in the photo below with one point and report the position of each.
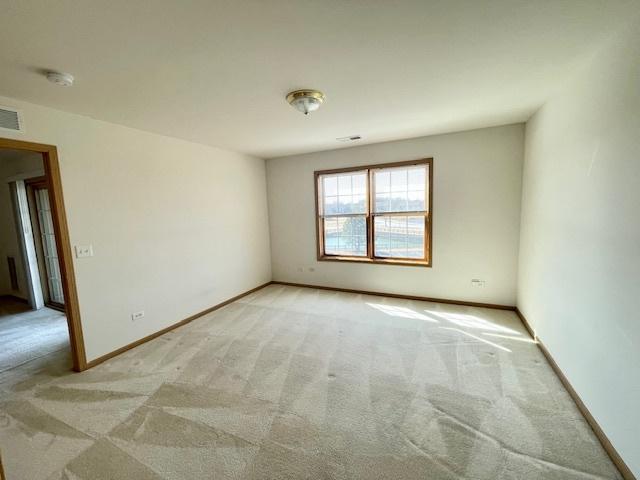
(59, 78)
(306, 100)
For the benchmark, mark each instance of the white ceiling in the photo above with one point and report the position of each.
(216, 72)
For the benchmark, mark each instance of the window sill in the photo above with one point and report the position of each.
(377, 261)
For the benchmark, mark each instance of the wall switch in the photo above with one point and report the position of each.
(475, 282)
(83, 251)
(137, 315)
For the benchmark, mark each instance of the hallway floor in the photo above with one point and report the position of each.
(293, 383)
(27, 334)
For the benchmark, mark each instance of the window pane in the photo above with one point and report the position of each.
(330, 205)
(417, 178)
(382, 202)
(345, 236)
(344, 204)
(416, 201)
(359, 204)
(399, 180)
(344, 193)
(359, 184)
(344, 185)
(382, 180)
(398, 202)
(400, 189)
(399, 236)
(330, 186)
(351, 204)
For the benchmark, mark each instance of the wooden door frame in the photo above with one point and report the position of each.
(63, 244)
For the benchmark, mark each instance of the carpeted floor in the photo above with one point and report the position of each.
(294, 383)
(27, 334)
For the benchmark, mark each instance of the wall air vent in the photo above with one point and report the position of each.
(10, 119)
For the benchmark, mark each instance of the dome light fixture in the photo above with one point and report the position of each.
(306, 100)
(60, 78)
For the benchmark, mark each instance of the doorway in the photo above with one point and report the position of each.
(42, 271)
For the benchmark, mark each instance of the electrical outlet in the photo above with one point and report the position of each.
(83, 251)
(475, 282)
(137, 315)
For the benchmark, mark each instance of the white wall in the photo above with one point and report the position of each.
(476, 212)
(13, 163)
(176, 227)
(580, 250)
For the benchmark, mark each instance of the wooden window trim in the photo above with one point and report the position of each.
(426, 261)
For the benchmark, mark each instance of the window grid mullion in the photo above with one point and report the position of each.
(412, 213)
(370, 199)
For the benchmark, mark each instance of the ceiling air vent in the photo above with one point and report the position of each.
(10, 119)
(352, 138)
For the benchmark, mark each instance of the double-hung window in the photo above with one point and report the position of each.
(375, 213)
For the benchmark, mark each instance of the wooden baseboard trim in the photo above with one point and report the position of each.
(526, 324)
(106, 357)
(1, 470)
(398, 295)
(624, 469)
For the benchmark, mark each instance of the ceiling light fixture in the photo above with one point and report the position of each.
(305, 100)
(59, 78)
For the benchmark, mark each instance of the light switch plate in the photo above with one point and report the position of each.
(83, 251)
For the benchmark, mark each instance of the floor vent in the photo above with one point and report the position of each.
(10, 119)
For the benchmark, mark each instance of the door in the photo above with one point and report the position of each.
(45, 243)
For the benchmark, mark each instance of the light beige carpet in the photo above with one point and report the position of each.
(294, 383)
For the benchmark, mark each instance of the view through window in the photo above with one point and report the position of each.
(376, 213)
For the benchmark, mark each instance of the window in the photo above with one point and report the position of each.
(376, 213)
